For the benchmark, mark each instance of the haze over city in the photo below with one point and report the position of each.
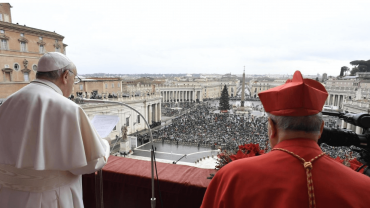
(268, 37)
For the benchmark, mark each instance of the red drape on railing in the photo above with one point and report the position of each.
(127, 183)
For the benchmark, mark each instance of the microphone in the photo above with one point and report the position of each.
(83, 100)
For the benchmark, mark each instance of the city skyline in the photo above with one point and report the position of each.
(138, 37)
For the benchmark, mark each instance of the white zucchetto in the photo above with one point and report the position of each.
(52, 61)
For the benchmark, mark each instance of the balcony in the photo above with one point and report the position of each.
(127, 183)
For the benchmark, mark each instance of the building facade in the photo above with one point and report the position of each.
(100, 86)
(20, 50)
(257, 86)
(148, 106)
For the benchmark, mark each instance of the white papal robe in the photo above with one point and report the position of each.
(46, 143)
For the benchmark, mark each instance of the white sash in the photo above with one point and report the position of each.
(30, 180)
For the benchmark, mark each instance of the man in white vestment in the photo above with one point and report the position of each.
(47, 141)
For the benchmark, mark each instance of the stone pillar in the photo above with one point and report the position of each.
(155, 112)
(358, 130)
(344, 125)
(349, 126)
(332, 100)
(150, 114)
(354, 128)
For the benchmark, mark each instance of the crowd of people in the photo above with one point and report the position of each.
(198, 125)
(173, 109)
(201, 127)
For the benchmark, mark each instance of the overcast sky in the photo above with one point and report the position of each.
(197, 36)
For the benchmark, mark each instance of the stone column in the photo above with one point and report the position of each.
(155, 112)
(354, 128)
(344, 125)
(150, 114)
(159, 112)
(358, 130)
(332, 100)
(349, 126)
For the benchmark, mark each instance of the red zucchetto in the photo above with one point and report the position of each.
(297, 97)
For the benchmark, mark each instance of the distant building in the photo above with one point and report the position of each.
(20, 50)
(348, 89)
(257, 86)
(100, 86)
(324, 77)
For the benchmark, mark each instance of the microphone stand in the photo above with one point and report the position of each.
(152, 200)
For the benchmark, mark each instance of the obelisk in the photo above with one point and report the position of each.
(243, 90)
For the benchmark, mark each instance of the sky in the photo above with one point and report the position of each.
(202, 36)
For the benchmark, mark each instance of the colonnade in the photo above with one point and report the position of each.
(153, 112)
(348, 126)
(181, 95)
(335, 100)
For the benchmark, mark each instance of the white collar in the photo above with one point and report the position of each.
(49, 84)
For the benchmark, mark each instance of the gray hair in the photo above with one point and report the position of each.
(310, 123)
(54, 75)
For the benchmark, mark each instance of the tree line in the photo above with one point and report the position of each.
(357, 66)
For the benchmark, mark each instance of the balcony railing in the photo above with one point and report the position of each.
(127, 183)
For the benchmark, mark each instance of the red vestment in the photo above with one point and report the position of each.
(278, 179)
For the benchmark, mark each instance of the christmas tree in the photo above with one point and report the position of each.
(224, 100)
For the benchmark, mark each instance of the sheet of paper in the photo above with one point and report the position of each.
(104, 124)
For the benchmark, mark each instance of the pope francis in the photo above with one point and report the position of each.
(46, 141)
